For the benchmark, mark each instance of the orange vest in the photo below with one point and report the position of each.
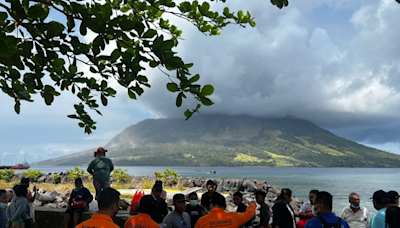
(98, 221)
(220, 218)
(140, 221)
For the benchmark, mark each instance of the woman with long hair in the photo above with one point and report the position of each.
(283, 214)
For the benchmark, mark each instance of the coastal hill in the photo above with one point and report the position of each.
(221, 140)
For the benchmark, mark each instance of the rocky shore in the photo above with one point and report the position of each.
(227, 186)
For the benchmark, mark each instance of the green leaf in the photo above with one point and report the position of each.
(150, 33)
(6, 51)
(3, 16)
(240, 15)
(48, 98)
(207, 90)
(205, 101)
(153, 64)
(106, 11)
(131, 94)
(73, 69)
(104, 100)
(194, 78)
(179, 100)
(17, 107)
(172, 87)
(188, 114)
(252, 23)
(38, 11)
(83, 29)
(93, 70)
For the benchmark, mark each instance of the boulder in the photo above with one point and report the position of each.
(62, 205)
(195, 189)
(37, 203)
(58, 199)
(42, 179)
(123, 204)
(52, 205)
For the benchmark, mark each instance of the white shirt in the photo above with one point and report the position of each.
(306, 207)
(360, 219)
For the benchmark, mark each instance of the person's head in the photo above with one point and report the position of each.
(179, 202)
(21, 190)
(78, 183)
(392, 217)
(286, 195)
(380, 199)
(25, 181)
(238, 198)
(393, 197)
(354, 200)
(193, 199)
(108, 202)
(157, 189)
(217, 201)
(312, 195)
(3, 196)
(323, 203)
(10, 194)
(146, 205)
(260, 196)
(210, 186)
(101, 151)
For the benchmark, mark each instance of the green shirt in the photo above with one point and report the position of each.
(101, 169)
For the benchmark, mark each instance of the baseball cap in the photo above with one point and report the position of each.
(101, 149)
(178, 197)
(393, 196)
(381, 197)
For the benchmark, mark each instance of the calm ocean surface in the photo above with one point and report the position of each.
(338, 181)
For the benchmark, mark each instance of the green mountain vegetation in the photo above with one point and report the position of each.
(220, 140)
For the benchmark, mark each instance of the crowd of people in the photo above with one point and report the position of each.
(16, 208)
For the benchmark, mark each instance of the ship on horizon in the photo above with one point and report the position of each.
(22, 165)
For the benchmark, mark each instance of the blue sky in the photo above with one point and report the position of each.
(335, 63)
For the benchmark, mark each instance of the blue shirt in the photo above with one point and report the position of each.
(378, 220)
(329, 218)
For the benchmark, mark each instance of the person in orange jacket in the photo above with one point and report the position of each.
(220, 218)
(143, 219)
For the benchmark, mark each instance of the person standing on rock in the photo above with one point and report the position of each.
(3, 205)
(322, 208)
(219, 218)
(305, 212)
(205, 198)
(241, 207)
(194, 209)
(78, 202)
(30, 196)
(264, 210)
(178, 218)
(108, 208)
(354, 214)
(283, 214)
(143, 219)
(100, 168)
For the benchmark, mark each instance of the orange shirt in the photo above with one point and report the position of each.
(140, 221)
(220, 218)
(98, 221)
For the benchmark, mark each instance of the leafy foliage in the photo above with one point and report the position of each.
(78, 172)
(6, 174)
(121, 175)
(43, 56)
(169, 176)
(33, 175)
(56, 178)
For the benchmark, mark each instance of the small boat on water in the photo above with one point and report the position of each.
(213, 171)
(23, 165)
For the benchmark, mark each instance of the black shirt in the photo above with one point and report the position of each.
(242, 208)
(205, 200)
(161, 210)
(195, 213)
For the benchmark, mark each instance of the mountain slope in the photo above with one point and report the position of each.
(220, 140)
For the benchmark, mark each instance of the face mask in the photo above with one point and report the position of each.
(77, 189)
(355, 207)
(194, 202)
(314, 212)
(3, 205)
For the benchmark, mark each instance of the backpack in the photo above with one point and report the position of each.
(330, 225)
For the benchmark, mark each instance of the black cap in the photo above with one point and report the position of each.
(78, 180)
(146, 205)
(393, 196)
(178, 197)
(381, 197)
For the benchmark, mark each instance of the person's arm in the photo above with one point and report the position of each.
(277, 209)
(302, 212)
(244, 217)
(168, 221)
(88, 196)
(266, 215)
(71, 198)
(90, 167)
(368, 216)
(111, 166)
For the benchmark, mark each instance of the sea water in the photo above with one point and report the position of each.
(340, 182)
